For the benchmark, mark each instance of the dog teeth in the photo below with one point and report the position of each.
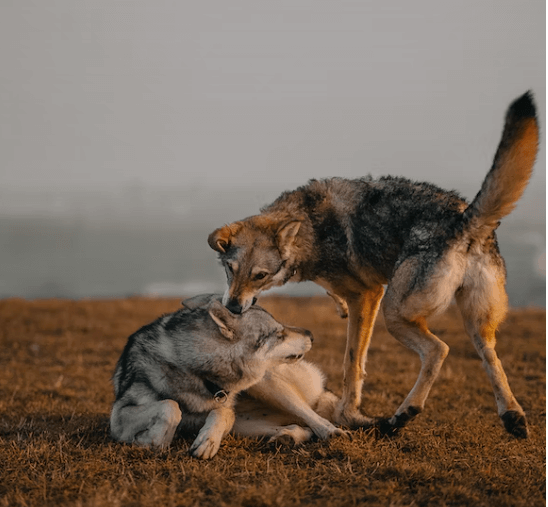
(295, 358)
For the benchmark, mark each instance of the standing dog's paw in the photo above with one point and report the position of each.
(391, 427)
(515, 424)
(205, 446)
(386, 428)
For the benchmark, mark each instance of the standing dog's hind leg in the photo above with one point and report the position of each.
(432, 351)
(480, 324)
(509, 410)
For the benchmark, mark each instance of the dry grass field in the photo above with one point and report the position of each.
(57, 357)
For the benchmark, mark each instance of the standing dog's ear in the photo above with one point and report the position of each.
(224, 319)
(285, 237)
(219, 239)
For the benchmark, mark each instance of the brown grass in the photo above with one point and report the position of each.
(57, 356)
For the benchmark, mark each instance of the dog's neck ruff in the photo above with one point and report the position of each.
(219, 394)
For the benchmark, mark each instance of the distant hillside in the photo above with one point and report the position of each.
(78, 258)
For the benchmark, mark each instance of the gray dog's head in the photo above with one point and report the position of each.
(255, 330)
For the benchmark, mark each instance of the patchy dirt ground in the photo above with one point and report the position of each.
(57, 357)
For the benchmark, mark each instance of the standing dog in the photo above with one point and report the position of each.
(424, 243)
(185, 370)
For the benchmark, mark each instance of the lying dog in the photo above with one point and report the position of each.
(185, 370)
(425, 244)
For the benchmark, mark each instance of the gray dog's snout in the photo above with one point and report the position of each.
(306, 333)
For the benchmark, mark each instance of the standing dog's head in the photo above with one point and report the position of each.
(257, 254)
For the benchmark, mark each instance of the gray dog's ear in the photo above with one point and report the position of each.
(285, 236)
(200, 301)
(224, 319)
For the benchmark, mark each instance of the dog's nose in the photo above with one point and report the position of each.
(234, 306)
(306, 333)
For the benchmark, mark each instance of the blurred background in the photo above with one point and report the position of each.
(129, 130)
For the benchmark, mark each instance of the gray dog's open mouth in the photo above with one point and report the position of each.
(294, 358)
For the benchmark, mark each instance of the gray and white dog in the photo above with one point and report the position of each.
(184, 371)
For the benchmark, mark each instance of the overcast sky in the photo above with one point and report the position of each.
(254, 94)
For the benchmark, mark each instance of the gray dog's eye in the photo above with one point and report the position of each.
(260, 276)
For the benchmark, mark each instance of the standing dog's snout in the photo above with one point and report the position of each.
(234, 306)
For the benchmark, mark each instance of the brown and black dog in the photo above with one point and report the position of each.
(425, 244)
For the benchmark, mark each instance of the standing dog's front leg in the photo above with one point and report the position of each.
(218, 423)
(362, 310)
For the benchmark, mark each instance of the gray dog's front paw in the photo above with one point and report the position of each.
(292, 435)
(328, 430)
(205, 446)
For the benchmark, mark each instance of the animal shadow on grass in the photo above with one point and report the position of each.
(81, 430)
(88, 431)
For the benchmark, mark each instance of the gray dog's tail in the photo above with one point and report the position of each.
(511, 170)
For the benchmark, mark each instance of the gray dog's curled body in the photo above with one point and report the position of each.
(184, 371)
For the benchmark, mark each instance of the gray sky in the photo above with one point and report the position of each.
(224, 95)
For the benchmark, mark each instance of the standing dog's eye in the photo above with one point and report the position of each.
(229, 266)
(259, 276)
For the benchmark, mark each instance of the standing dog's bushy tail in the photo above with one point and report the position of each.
(511, 170)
